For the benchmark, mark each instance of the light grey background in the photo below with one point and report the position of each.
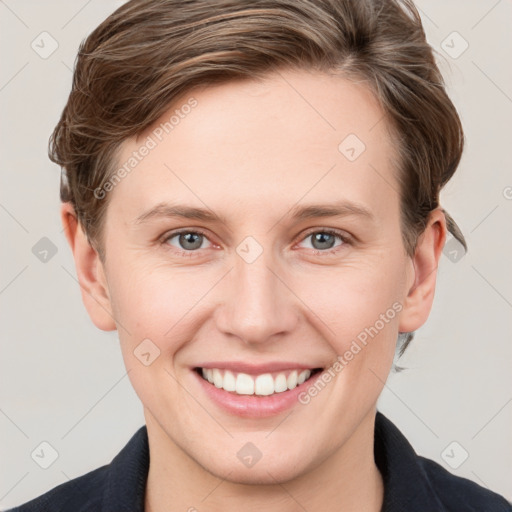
(63, 381)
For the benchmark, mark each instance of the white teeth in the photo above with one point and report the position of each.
(303, 376)
(280, 383)
(262, 385)
(229, 381)
(292, 380)
(217, 378)
(244, 384)
(209, 376)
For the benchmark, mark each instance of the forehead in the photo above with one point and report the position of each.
(259, 144)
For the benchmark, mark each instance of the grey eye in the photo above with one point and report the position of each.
(324, 240)
(188, 240)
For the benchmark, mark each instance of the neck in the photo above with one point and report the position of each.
(348, 480)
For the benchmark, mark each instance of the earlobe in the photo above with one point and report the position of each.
(90, 272)
(420, 296)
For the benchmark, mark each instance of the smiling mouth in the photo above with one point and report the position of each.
(265, 384)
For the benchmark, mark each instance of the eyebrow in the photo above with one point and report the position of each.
(337, 209)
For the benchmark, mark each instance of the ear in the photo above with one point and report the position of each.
(418, 303)
(89, 270)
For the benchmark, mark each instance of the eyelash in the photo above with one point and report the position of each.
(329, 252)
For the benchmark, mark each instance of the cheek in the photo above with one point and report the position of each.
(140, 293)
(153, 309)
(159, 303)
(355, 303)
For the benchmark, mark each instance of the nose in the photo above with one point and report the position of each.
(258, 304)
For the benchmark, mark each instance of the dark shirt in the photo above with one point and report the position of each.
(411, 483)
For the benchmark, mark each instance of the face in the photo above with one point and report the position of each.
(259, 241)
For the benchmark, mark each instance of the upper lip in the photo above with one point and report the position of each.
(257, 369)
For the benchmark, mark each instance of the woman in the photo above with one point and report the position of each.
(251, 196)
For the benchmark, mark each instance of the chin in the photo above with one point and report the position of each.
(260, 474)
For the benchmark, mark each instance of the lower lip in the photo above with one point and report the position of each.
(254, 406)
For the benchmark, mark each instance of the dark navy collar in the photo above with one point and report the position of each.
(125, 485)
(411, 482)
(406, 486)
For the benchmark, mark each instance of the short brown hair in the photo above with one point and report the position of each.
(148, 53)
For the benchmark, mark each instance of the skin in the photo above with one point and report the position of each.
(251, 151)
